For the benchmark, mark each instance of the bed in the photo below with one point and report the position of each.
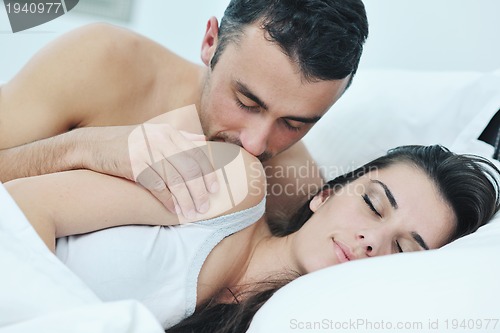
(451, 289)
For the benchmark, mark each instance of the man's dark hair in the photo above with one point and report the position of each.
(323, 37)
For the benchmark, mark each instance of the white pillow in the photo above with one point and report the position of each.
(451, 289)
(384, 109)
(447, 290)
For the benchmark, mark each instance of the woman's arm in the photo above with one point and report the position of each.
(82, 201)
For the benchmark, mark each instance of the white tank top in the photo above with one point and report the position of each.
(158, 266)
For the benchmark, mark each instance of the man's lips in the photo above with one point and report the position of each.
(343, 252)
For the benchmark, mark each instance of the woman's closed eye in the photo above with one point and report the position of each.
(399, 248)
(369, 203)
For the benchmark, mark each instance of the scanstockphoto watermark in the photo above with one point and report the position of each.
(309, 169)
(289, 180)
(367, 325)
(28, 14)
(355, 325)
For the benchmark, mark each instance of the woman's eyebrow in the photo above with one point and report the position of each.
(394, 205)
(419, 240)
(388, 193)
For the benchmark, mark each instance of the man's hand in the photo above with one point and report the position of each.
(172, 167)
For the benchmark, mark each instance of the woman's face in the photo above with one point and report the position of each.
(396, 209)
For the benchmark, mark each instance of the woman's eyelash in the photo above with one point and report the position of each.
(370, 204)
(400, 249)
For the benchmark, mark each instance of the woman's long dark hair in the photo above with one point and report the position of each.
(468, 183)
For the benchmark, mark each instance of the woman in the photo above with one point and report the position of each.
(222, 270)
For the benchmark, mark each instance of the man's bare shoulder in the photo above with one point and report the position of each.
(135, 66)
(139, 69)
(91, 55)
(296, 153)
(292, 176)
(91, 76)
(114, 49)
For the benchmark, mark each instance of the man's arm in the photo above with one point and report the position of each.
(75, 81)
(76, 149)
(82, 201)
(97, 75)
(292, 178)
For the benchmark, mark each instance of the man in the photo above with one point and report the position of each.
(273, 69)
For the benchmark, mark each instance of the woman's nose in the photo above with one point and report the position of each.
(366, 247)
(375, 242)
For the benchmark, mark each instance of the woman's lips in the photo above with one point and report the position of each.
(343, 253)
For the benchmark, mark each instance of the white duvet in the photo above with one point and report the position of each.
(39, 294)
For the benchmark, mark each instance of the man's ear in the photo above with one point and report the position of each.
(319, 199)
(209, 43)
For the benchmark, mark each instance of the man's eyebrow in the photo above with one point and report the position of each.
(388, 193)
(242, 88)
(419, 240)
(310, 120)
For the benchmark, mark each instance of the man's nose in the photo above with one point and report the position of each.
(254, 139)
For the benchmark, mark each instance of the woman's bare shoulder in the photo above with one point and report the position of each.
(241, 176)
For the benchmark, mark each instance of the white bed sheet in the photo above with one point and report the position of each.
(39, 294)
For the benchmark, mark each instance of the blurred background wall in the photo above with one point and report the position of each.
(406, 34)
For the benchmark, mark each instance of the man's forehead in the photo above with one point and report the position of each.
(310, 100)
(259, 66)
